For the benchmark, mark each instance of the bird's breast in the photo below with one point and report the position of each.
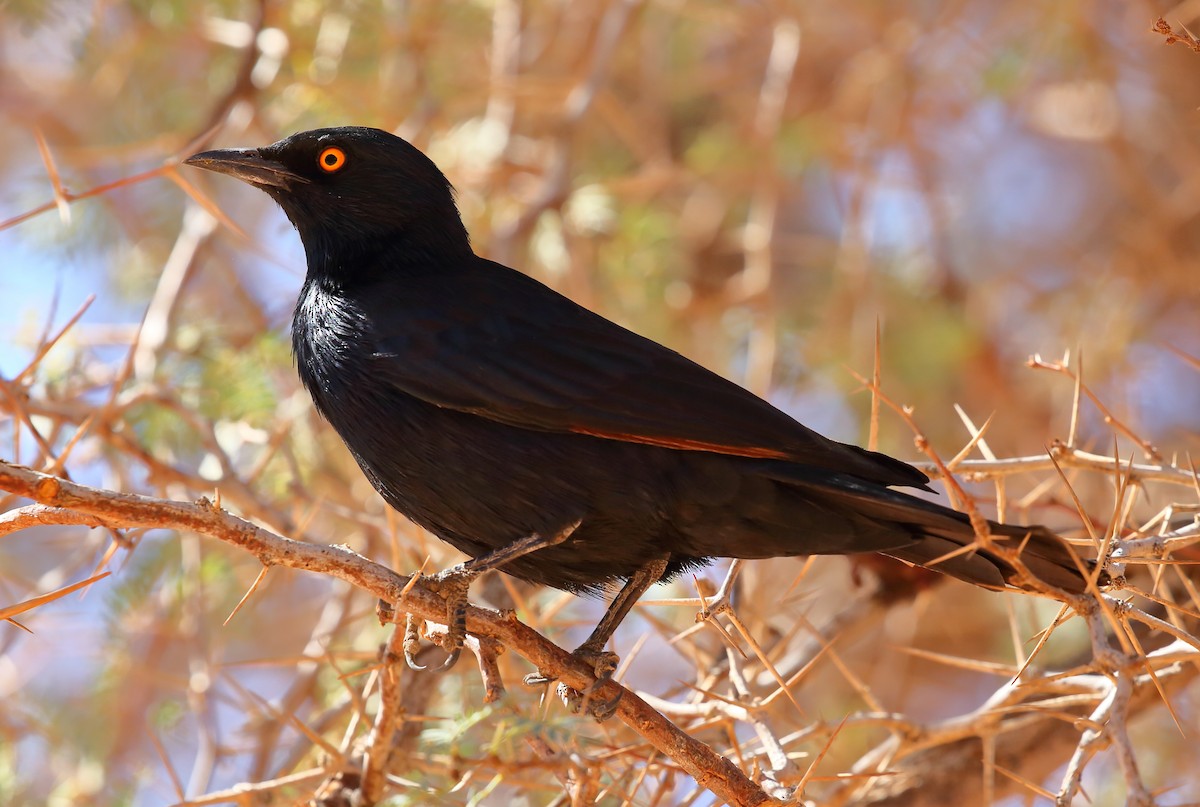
(331, 343)
(475, 482)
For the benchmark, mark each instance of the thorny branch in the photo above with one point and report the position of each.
(1171, 36)
(1100, 696)
(750, 669)
(136, 511)
(1104, 690)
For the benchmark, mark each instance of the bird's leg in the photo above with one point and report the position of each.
(592, 652)
(452, 585)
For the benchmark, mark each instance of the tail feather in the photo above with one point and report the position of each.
(1043, 553)
(943, 539)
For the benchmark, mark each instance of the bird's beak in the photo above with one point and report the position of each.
(247, 165)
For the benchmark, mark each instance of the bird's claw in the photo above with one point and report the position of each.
(412, 642)
(601, 710)
(452, 658)
(603, 664)
(451, 585)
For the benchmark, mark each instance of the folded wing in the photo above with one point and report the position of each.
(535, 360)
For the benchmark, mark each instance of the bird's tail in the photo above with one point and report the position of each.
(1043, 553)
(938, 538)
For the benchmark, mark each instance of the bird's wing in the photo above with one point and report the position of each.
(503, 346)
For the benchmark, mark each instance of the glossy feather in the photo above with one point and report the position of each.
(485, 406)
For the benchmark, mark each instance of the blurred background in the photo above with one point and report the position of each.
(758, 185)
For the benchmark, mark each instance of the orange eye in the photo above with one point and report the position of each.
(332, 159)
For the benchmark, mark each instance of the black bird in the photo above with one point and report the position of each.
(538, 437)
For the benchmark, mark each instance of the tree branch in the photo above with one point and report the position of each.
(125, 510)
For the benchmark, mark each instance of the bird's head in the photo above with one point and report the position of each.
(350, 191)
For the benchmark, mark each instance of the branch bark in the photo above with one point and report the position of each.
(709, 769)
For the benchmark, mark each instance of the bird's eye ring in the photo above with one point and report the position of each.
(331, 160)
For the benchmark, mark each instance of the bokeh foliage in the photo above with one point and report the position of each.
(757, 185)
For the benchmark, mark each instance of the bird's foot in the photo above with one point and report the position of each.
(603, 664)
(451, 585)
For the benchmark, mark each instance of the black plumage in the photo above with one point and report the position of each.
(487, 407)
